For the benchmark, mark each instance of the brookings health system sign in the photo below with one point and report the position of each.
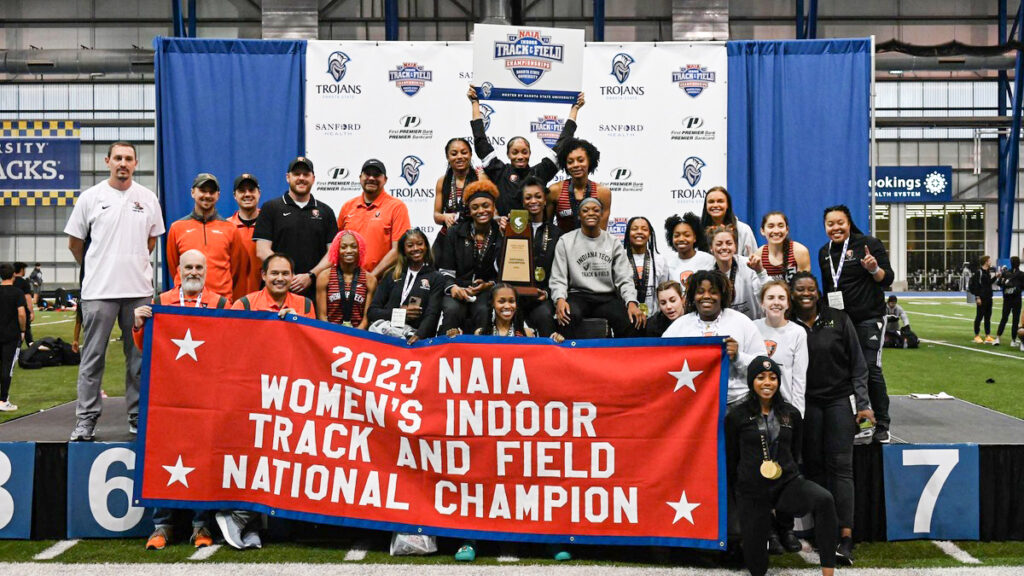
(901, 184)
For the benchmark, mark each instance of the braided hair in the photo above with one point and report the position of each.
(518, 325)
(652, 242)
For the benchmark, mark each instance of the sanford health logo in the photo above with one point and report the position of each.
(621, 180)
(620, 130)
(410, 127)
(620, 72)
(693, 79)
(411, 169)
(410, 77)
(548, 128)
(692, 174)
(337, 68)
(692, 128)
(528, 55)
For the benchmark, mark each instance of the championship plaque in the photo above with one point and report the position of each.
(517, 255)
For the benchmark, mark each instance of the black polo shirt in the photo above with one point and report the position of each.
(301, 233)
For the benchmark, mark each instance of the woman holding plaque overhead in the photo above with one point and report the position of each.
(763, 444)
(509, 176)
(591, 277)
(579, 159)
(539, 310)
(467, 255)
(448, 206)
(835, 370)
(718, 212)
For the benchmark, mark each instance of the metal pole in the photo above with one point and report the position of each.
(1003, 87)
(178, 24)
(598, 20)
(812, 20)
(1008, 194)
(391, 20)
(872, 145)
(800, 32)
(192, 17)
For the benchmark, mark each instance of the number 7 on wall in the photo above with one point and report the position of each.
(945, 460)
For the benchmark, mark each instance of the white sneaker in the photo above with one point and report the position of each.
(996, 341)
(7, 406)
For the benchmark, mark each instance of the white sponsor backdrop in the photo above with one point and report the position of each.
(400, 102)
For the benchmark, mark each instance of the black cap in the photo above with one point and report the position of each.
(761, 364)
(892, 298)
(374, 163)
(203, 178)
(301, 160)
(246, 177)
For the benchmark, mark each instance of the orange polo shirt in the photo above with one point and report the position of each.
(250, 279)
(173, 298)
(381, 222)
(263, 301)
(217, 239)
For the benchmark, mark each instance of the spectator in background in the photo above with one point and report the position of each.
(413, 285)
(22, 283)
(122, 221)
(855, 273)
(247, 196)
(894, 314)
(13, 317)
(204, 230)
(379, 217)
(718, 212)
(36, 279)
(981, 288)
(298, 226)
(1012, 282)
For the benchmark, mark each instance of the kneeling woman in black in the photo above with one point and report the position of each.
(763, 444)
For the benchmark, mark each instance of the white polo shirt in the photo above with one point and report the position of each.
(119, 224)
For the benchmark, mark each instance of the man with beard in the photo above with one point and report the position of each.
(190, 292)
(378, 216)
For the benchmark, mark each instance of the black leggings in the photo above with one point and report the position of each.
(829, 428)
(984, 311)
(609, 306)
(8, 355)
(798, 497)
(1010, 305)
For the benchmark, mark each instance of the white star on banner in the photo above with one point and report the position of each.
(683, 508)
(187, 346)
(684, 378)
(178, 472)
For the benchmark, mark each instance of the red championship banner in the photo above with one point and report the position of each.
(595, 441)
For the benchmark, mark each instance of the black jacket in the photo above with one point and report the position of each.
(744, 453)
(1012, 282)
(835, 361)
(428, 287)
(981, 284)
(509, 180)
(455, 255)
(863, 298)
(657, 324)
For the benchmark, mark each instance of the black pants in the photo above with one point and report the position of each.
(465, 315)
(984, 311)
(1010, 304)
(28, 328)
(829, 428)
(8, 354)
(608, 306)
(870, 334)
(798, 497)
(539, 314)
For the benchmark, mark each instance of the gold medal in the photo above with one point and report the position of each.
(538, 273)
(771, 470)
(644, 309)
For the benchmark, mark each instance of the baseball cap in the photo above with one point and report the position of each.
(374, 163)
(303, 161)
(246, 177)
(204, 178)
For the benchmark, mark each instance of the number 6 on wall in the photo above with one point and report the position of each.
(100, 486)
(945, 460)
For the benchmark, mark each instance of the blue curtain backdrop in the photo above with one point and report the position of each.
(799, 132)
(226, 107)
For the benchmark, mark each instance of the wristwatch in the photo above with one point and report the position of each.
(312, 275)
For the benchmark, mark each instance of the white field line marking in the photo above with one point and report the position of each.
(48, 323)
(940, 316)
(356, 553)
(941, 343)
(953, 550)
(808, 554)
(204, 552)
(508, 559)
(55, 550)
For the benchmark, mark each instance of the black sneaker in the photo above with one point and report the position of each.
(774, 546)
(844, 552)
(881, 435)
(790, 542)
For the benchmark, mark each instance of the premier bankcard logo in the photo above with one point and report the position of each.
(528, 55)
(548, 129)
(693, 79)
(410, 77)
(411, 169)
